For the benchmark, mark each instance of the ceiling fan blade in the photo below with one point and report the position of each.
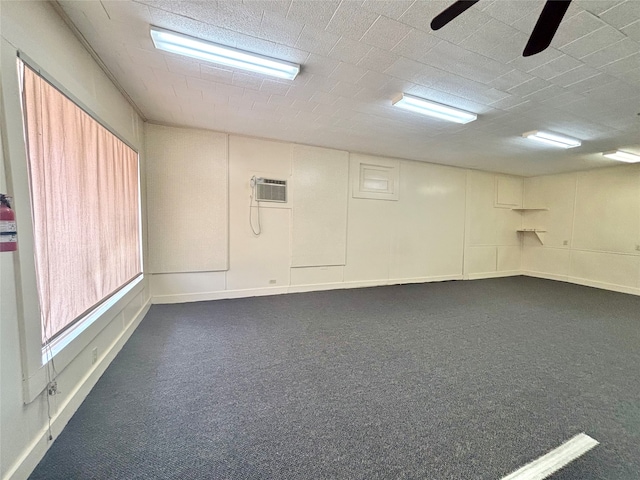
(546, 27)
(451, 12)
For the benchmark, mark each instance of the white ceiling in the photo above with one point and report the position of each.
(356, 56)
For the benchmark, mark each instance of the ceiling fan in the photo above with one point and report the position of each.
(542, 34)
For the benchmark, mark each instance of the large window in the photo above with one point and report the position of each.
(86, 210)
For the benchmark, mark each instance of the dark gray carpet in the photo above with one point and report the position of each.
(453, 380)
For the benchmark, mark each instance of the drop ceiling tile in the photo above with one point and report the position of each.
(591, 83)
(562, 99)
(527, 22)
(165, 90)
(120, 11)
(511, 12)
(593, 42)
(230, 14)
(510, 79)
(280, 7)
(314, 40)
(529, 87)
(230, 90)
(526, 64)
(279, 51)
(468, 89)
(319, 82)
(385, 33)
(416, 45)
(412, 71)
(389, 8)
(555, 67)
(470, 22)
(373, 81)
(455, 59)
(140, 56)
(622, 14)
(252, 82)
(632, 31)
(347, 72)
(492, 35)
(349, 51)
(316, 14)
(596, 6)
(319, 65)
(324, 98)
(509, 102)
(574, 76)
(377, 60)
(184, 93)
(615, 89)
(180, 65)
(215, 74)
(164, 77)
(571, 29)
(280, 101)
(346, 89)
(545, 94)
(420, 14)
(278, 29)
(250, 96)
(325, 109)
(203, 85)
(264, 108)
(273, 87)
(351, 21)
(631, 76)
(617, 51)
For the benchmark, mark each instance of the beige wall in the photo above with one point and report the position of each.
(35, 29)
(593, 228)
(447, 223)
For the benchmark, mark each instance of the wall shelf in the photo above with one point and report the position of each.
(538, 232)
(535, 231)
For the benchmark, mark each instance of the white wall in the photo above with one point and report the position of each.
(492, 243)
(593, 228)
(446, 224)
(36, 30)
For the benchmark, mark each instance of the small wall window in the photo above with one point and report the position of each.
(374, 177)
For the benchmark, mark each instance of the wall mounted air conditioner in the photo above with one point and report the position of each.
(269, 190)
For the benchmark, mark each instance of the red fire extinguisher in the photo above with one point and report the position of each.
(8, 230)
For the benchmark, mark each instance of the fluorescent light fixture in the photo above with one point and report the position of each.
(622, 156)
(433, 109)
(552, 139)
(212, 52)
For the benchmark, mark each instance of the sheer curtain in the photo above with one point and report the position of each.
(85, 201)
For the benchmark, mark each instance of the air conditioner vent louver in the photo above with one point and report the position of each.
(269, 190)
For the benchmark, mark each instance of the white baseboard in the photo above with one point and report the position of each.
(506, 273)
(583, 281)
(256, 292)
(32, 455)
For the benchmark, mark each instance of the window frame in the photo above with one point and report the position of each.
(36, 358)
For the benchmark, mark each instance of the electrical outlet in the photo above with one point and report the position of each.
(272, 281)
(52, 388)
(566, 242)
(638, 248)
(94, 356)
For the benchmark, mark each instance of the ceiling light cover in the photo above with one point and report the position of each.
(552, 139)
(433, 109)
(622, 156)
(221, 54)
